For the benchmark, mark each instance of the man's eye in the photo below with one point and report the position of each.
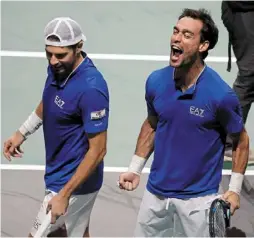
(60, 56)
(187, 35)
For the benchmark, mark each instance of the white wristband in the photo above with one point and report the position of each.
(137, 164)
(32, 124)
(236, 181)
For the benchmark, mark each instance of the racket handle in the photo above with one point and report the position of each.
(44, 226)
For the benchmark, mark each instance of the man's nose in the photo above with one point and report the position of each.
(54, 60)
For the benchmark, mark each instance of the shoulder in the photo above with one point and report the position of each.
(90, 78)
(217, 88)
(158, 78)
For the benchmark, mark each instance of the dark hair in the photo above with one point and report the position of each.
(209, 32)
(55, 38)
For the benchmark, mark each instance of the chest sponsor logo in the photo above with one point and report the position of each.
(59, 102)
(197, 111)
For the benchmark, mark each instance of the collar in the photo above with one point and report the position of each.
(191, 90)
(83, 63)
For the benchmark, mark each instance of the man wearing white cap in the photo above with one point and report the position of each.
(74, 112)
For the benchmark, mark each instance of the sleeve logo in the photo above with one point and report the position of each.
(98, 114)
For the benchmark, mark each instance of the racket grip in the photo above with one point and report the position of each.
(44, 226)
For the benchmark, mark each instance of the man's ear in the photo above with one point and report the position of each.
(204, 46)
(79, 47)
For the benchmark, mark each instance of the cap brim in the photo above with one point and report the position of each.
(65, 43)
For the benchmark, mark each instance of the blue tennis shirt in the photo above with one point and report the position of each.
(191, 132)
(77, 106)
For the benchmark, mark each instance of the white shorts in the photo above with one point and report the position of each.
(76, 219)
(162, 217)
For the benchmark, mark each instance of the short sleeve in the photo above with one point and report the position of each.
(230, 113)
(149, 97)
(94, 106)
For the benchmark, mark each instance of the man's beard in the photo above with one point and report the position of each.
(62, 71)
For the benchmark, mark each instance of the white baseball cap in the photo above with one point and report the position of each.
(65, 29)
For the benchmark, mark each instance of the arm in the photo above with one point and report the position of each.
(97, 150)
(230, 117)
(39, 110)
(95, 154)
(145, 142)
(240, 155)
(144, 146)
(94, 108)
(33, 122)
(240, 151)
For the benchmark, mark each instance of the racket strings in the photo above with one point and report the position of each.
(219, 221)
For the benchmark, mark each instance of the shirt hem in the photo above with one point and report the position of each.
(180, 195)
(77, 192)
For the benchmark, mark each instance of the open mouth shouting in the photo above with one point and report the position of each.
(176, 53)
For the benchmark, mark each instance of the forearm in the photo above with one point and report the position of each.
(33, 122)
(144, 148)
(145, 142)
(39, 111)
(91, 160)
(240, 154)
(239, 161)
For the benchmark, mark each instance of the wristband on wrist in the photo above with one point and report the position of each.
(236, 181)
(137, 164)
(32, 124)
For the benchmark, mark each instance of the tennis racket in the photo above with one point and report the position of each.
(219, 218)
(44, 226)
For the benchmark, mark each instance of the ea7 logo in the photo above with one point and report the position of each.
(59, 102)
(196, 111)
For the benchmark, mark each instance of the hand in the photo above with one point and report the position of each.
(12, 146)
(129, 181)
(58, 206)
(234, 200)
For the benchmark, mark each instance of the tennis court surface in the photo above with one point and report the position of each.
(115, 211)
(127, 41)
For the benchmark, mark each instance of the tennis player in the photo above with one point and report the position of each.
(74, 112)
(190, 112)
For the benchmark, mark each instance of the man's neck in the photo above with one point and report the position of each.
(186, 77)
(78, 61)
(77, 64)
